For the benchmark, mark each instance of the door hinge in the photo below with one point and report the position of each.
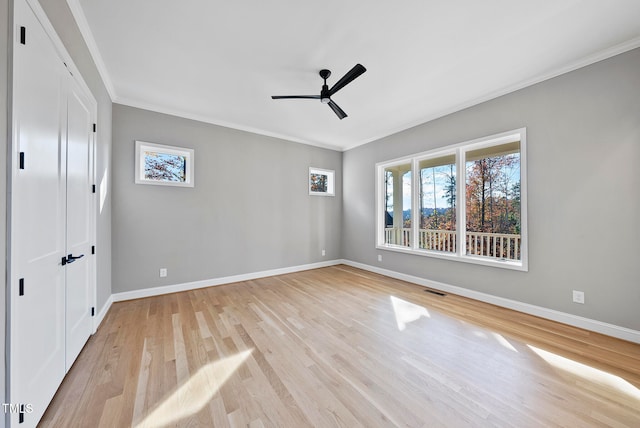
(93, 188)
(94, 127)
(23, 35)
(21, 414)
(93, 249)
(67, 67)
(21, 160)
(21, 287)
(93, 311)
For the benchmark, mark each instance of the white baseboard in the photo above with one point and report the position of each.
(562, 317)
(167, 289)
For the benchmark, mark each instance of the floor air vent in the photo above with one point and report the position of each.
(437, 293)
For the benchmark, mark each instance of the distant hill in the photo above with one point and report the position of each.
(426, 212)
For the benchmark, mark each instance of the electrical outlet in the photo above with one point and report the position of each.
(324, 253)
(163, 272)
(578, 297)
(379, 257)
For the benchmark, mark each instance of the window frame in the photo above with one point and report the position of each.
(459, 150)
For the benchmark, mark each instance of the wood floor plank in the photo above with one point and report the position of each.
(342, 347)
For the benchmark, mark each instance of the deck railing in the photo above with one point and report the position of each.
(494, 245)
(397, 236)
(439, 240)
(497, 245)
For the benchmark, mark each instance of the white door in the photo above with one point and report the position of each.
(51, 218)
(38, 216)
(79, 223)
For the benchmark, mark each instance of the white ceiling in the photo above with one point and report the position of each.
(220, 61)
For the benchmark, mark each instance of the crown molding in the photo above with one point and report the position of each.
(87, 35)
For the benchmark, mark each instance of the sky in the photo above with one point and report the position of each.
(442, 180)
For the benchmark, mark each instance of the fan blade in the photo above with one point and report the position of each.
(279, 97)
(356, 71)
(337, 110)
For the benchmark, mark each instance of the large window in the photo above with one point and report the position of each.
(464, 202)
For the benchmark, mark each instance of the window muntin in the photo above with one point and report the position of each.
(446, 188)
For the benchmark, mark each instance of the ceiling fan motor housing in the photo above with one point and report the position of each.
(324, 94)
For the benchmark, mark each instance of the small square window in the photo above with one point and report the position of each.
(321, 182)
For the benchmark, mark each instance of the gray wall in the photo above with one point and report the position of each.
(60, 16)
(249, 211)
(583, 135)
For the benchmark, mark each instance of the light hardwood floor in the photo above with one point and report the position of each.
(340, 346)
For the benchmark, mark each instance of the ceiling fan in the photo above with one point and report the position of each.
(326, 93)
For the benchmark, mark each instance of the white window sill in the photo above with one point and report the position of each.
(478, 260)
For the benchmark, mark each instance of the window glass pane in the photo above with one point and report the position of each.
(438, 204)
(397, 205)
(493, 202)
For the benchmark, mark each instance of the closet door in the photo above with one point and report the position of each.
(79, 225)
(52, 223)
(38, 217)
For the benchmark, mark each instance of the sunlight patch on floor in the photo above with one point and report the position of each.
(480, 334)
(407, 312)
(194, 394)
(588, 373)
(504, 342)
